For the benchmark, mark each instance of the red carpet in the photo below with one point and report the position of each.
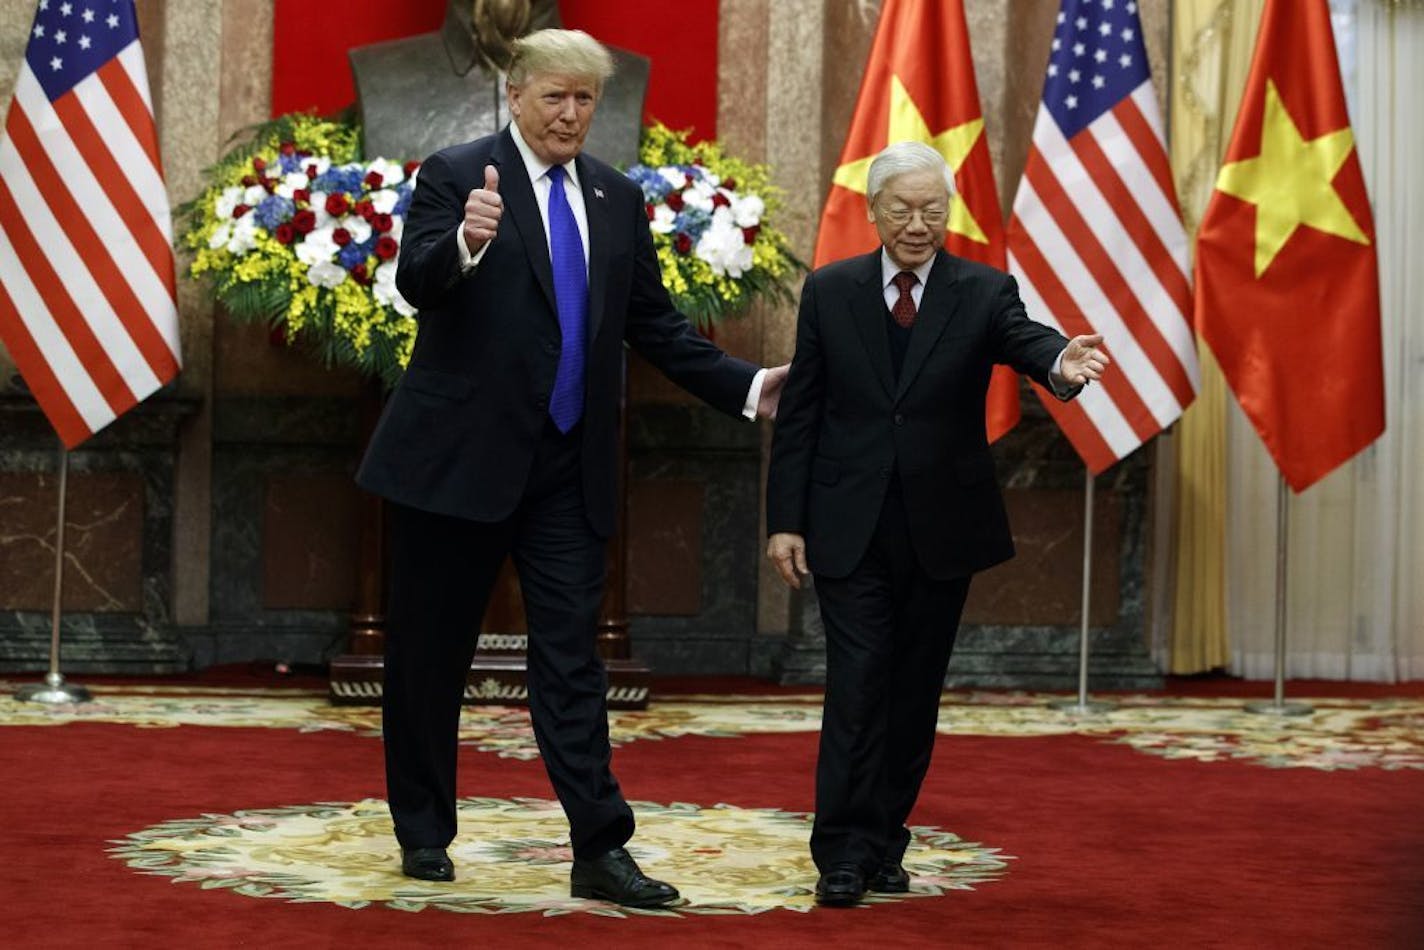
(1112, 848)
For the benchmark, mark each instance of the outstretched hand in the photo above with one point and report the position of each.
(483, 209)
(771, 385)
(1084, 359)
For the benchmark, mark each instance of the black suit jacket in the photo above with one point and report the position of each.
(846, 424)
(458, 434)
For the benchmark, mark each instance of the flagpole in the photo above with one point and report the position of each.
(1081, 704)
(54, 689)
(1278, 706)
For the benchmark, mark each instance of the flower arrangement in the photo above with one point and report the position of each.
(298, 231)
(710, 215)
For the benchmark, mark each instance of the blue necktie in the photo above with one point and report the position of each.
(571, 298)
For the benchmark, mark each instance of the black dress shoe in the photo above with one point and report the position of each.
(891, 878)
(841, 886)
(428, 864)
(616, 877)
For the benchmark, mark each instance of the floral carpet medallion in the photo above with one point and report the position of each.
(1339, 734)
(513, 856)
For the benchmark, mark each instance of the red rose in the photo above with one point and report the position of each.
(288, 148)
(373, 179)
(269, 184)
(304, 220)
(682, 243)
(365, 209)
(301, 195)
(240, 210)
(259, 163)
(674, 200)
(386, 247)
(729, 183)
(410, 167)
(249, 180)
(336, 204)
(381, 222)
(311, 171)
(652, 212)
(285, 233)
(687, 180)
(341, 236)
(750, 234)
(359, 272)
(720, 200)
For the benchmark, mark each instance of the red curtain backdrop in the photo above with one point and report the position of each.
(310, 72)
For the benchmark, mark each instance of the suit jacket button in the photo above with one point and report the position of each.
(885, 472)
(551, 348)
(541, 401)
(899, 419)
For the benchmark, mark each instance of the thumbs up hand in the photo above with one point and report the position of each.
(483, 209)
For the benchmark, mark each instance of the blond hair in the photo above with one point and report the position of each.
(561, 52)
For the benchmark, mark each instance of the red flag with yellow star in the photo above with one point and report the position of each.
(919, 86)
(1287, 284)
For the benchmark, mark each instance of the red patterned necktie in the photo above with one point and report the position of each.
(904, 309)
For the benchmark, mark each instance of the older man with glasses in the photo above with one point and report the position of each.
(882, 487)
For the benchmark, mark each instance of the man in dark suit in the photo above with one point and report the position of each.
(881, 485)
(531, 265)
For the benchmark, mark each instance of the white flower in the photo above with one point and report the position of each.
(318, 205)
(221, 235)
(356, 226)
(384, 290)
(696, 197)
(724, 248)
(392, 173)
(673, 176)
(244, 235)
(663, 218)
(326, 274)
(318, 247)
(254, 195)
(291, 182)
(397, 228)
(384, 201)
(230, 198)
(747, 211)
(322, 164)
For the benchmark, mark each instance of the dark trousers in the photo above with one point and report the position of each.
(442, 572)
(889, 631)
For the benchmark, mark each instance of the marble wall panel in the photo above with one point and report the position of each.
(665, 547)
(309, 538)
(103, 541)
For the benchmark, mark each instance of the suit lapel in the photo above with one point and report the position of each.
(523, 209)
(868, 306)
(596, 208)
(938, 305)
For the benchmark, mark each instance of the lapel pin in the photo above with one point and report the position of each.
(598, 192)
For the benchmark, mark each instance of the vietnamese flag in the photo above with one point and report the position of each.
(919, 86)
(1287, 284)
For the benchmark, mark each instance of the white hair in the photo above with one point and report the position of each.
(902, 157)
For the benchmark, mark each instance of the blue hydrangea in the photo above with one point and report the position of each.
(290, 163)
(403, 202)
(353, 254)
(692, 222)
(273, 210)
(346, 178)
(655, 186)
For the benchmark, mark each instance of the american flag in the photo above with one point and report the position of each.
(1096, 238)
(87, 306)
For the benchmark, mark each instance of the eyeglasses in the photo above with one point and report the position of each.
(932, 217)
